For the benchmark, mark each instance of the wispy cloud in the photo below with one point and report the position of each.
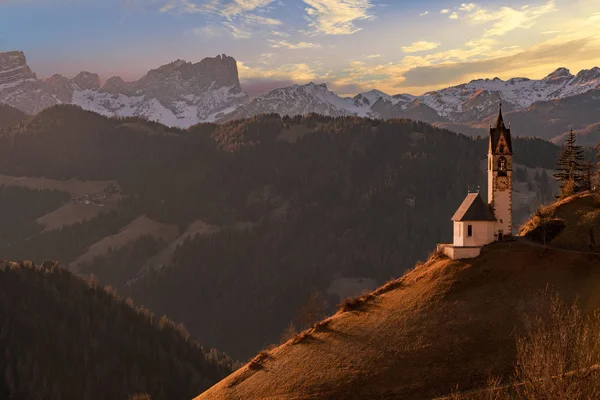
(374, 56)
(257, 19)
(454, 15)
(235, 17)
(227, 8)
(506, 19)
(284, 44)
(424, 13)
(337, 17)
(420, 46)
(279, 34)
(241, 6)
(444, 11)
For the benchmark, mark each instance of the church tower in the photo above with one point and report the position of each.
(500, 176)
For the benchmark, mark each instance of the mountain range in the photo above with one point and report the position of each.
(181, 94)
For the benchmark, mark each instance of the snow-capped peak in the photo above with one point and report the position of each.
(560, 74)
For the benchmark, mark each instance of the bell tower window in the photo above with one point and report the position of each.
(501, 149)
(502, 166)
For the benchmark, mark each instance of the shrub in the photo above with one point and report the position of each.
(257, 362)
(559, 356)
(350, 304)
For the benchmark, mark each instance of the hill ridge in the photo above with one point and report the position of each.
(443, 324)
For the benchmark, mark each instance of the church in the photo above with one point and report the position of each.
(477, 223)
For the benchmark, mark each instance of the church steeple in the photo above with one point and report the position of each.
(500, 175)
(500, 121)
(500, 136)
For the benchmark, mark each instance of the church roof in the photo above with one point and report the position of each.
(473, 208)
(496, 132)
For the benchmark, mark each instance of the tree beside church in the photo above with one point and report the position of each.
(570, 168)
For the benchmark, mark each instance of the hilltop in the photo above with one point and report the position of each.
(443, 324)
(66, 338)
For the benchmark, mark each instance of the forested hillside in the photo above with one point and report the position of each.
(10, 116)
(270, 210)
(63, 338)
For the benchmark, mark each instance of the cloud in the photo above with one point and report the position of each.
(257, 19)
(371, 56)
(183, 6)
(233, 17)
(454, 15)
(467, 7)
(420, 46)
(241, 6)
(444, 11)
(507, 19)
(336, 17)
(424, 13)
(280, 34)
(238, 31)
(283, 44)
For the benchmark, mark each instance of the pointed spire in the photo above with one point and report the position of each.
(500, 122)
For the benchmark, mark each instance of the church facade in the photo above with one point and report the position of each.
(477, 223)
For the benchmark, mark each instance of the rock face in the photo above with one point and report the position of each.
(87, 81)
(301, 100)
(177, 94)
(19, 87)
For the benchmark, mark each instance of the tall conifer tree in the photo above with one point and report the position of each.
(598, 169)
(570, 170)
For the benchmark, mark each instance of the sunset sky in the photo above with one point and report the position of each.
(397, 46)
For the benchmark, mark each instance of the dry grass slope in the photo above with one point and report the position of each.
(580, 217)
(442, 324)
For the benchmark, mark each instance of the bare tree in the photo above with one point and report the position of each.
(559, 356)
(313, 311)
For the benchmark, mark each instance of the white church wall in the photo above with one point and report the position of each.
(482, 233)
(503, 211)
(458, 253)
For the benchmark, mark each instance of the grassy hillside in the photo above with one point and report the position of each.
(267, 210)
(63, 338)
(572, 223)
(445, 323)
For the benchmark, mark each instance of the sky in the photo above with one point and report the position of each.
(396, 46)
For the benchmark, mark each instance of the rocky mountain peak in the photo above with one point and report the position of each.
(14, 68)
(560, 74)
(115, 85)
(222, 70)
(87, 81)
(60, 87)
(587, 75)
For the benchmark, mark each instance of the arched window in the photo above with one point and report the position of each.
(502, 166)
